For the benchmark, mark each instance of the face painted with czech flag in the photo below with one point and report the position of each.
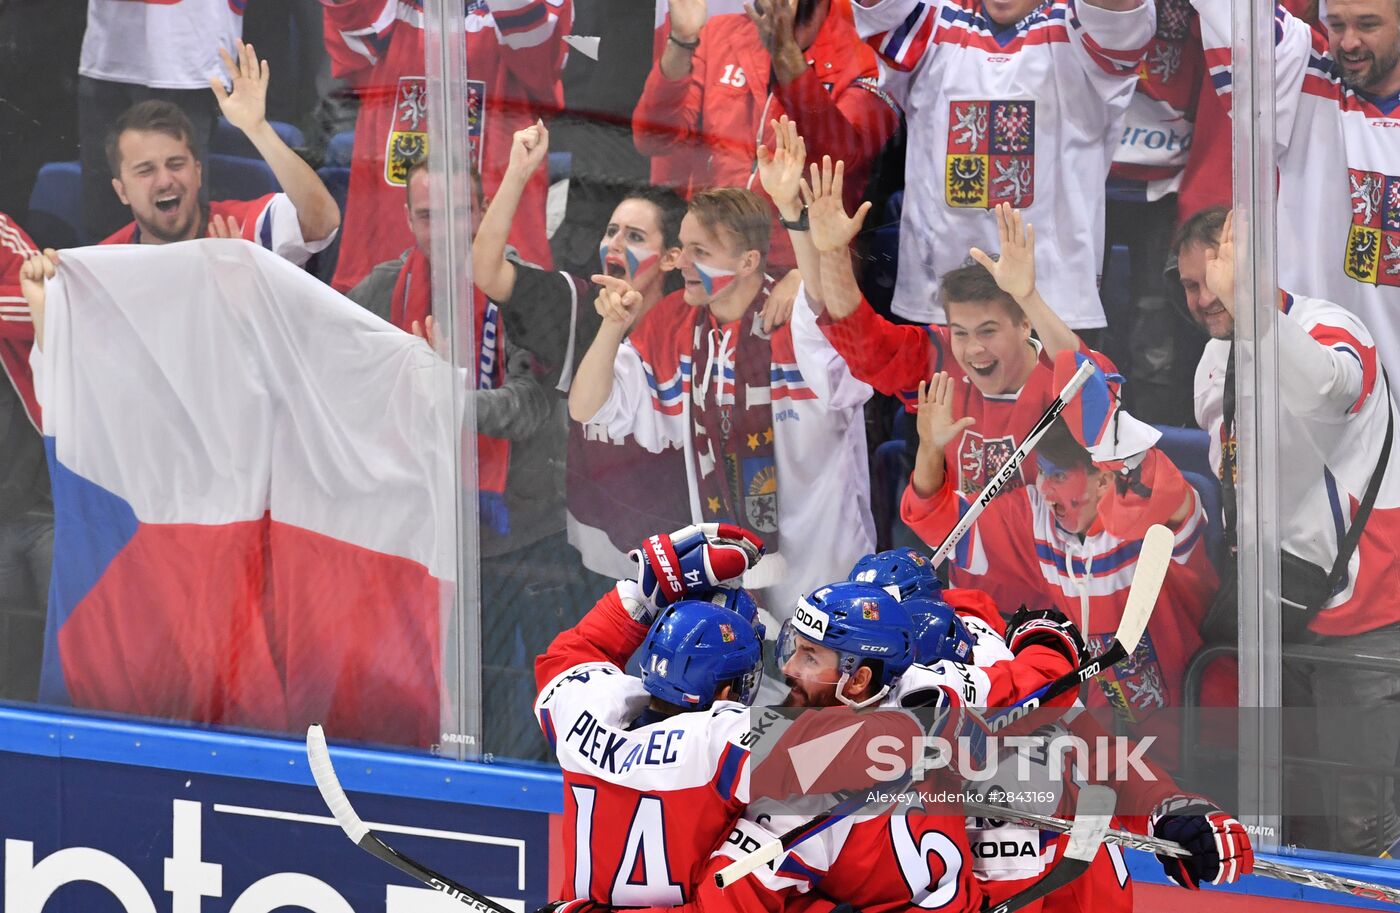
(1070, 493)
(632, 244)
(709, 264)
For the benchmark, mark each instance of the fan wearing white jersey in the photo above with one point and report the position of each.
(1008, 101)
(1337, 98)
(1336, 415)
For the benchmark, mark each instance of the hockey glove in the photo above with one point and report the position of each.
(1046, 628)
(1219, 846)
(689, 562)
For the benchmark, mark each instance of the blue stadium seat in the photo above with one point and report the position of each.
(561, 166)
(1116, 290)
(337, 181)
(889, 473)
(340, 149)
(229, 140)
(883, 268)
(1188, 448)
(55, 217)
(232, 177)
(1208, 488)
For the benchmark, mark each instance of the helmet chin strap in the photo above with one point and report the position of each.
(857, 705)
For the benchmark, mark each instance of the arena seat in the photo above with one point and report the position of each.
(1188, 448)
(340, 150)
(233, 177)
(229, 140)
(55, 217)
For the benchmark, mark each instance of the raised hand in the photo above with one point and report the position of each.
(780, 170)
(1014, 270)
(831, 228)
(246, 105)
(618, 303)
(528, 149)
(1220, 266)
(776, 22)
(688, 18)
(33, 275)
(694, 561)
(936, 425)
(225, 227)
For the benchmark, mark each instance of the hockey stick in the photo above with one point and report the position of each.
(1013, 462)
(359, 834)
(1153, 560)
(1092, 812)
(1267, 868)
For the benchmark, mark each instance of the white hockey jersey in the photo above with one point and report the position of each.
(160, 45)
(1339, 175)
(1025, 115)
(1335, 405)
(823, 475)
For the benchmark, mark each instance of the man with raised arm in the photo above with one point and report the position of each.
(156, 173)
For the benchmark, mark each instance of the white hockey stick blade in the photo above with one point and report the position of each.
(1153, 561)
(748, 863)
(1092, 815)
(319, 757)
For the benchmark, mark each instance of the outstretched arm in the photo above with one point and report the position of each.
(620, 305)
(491, 271)
(937, 430)
(245, 106)
(1014, 272)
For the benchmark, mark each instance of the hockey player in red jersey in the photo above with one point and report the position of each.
(654, 770)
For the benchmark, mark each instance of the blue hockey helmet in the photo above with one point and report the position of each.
(739, 600)
(861, 622)
(903, 571)
(939, 633)
(696, 647)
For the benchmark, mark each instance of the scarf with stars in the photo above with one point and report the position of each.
(731, 412)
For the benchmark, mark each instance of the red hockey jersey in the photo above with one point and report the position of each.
(644, 807)
(515, 51)
(16, 327)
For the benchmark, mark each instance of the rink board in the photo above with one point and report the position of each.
(100, 815)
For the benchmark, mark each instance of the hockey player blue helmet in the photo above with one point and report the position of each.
(938, 632)
(694, 648)
(903, 571)
(739, 600)
(862, 623)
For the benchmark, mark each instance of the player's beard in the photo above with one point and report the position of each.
(1381, 67)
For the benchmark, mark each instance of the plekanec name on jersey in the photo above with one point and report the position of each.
(603, 746)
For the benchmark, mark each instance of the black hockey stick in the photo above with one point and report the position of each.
(1013, 462)
(1092, 813)
(1266, 868)
(360, 834)
(1153, 560)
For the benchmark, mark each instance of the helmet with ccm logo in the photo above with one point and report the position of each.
(861, 622)
(696, 647)
(902, 571)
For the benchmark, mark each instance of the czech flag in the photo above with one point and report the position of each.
(253, 496)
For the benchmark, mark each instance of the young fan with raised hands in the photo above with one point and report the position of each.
(1002, 372)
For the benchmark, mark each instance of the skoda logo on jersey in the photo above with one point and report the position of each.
(810, 620)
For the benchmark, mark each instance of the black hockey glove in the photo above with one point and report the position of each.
(1219, 846)
(1047, 628)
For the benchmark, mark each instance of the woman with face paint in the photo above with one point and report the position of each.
(552, 314)
(748, 408)
(1070, 541)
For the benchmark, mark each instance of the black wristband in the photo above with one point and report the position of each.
(802, 223)
(691, 46)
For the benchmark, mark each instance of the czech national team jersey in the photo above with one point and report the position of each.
(1332, 425)
(643, 808)
(270, 221)
(1339, 175)
(514, 54)
(1020, 115)
(895, 358)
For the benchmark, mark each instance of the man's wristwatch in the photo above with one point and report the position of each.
(802, 224)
